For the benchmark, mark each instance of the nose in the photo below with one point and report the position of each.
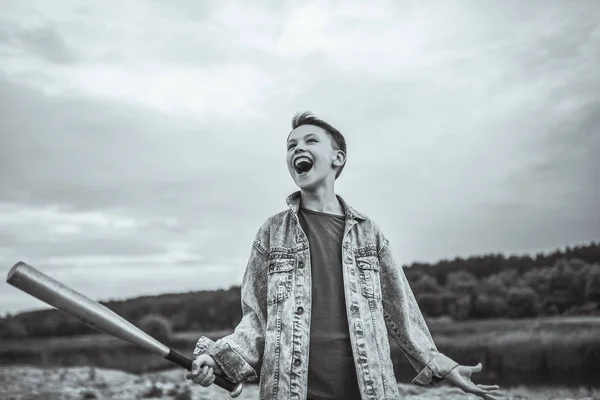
(299, 148)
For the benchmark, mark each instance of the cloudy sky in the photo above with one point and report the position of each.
(142, 143)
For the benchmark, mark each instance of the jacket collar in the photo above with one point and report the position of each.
(293, 202)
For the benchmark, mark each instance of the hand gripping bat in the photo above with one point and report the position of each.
(94, 314)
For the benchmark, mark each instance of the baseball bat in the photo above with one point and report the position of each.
(99, 317)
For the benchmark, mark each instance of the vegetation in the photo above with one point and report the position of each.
(157, 326)
(483, 287)
(569, 287)
(527, 319)
(202, 310)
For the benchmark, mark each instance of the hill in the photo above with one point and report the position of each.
(564, 282)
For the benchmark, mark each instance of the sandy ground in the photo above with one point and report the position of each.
(28, 383)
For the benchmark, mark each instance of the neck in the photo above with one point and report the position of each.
(321, 200)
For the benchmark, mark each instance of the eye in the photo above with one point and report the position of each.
(311, 140)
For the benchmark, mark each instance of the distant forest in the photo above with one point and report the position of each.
(564, 282)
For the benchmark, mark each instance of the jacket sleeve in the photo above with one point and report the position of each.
(405, 322)
(240, 353)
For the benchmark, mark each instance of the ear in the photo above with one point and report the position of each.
(339, 158)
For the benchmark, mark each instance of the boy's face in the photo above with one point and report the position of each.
(311, 156)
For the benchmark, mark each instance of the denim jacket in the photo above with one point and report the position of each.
(271, 341)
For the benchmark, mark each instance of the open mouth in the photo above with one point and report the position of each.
(302, 165)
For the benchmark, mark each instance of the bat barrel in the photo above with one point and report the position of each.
(92, 313)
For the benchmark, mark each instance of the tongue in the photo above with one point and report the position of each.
(303, 166)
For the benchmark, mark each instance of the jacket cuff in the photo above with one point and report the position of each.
(236, 369)
(203, 346)
(435, 371)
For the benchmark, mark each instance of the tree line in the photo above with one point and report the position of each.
(564, 282)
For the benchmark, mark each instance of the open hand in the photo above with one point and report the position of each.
(461, 378)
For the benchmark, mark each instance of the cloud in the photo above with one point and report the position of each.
(42, 41)
(148, 141)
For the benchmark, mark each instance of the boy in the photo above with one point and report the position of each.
(320, 294)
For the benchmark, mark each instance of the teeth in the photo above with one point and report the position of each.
(302, 159)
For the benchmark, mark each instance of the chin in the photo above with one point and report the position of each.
(308, 185)
(305, 187)
(300, 184)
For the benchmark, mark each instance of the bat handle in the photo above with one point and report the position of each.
(234, 389)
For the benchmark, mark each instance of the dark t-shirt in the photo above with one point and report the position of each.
(331, 371)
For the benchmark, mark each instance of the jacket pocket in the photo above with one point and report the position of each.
(280, 272)
(368, 274)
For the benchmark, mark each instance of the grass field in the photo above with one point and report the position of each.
(495, 326)
(564, 350)
(84, 383)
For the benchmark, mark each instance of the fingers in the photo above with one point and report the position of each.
(495, 396)
(195, 370)
(488, 387)
(487, 392)
(468, 371)
(212, 380)
(483, 394)
(476, 368)
(491, 394)
(204, 377)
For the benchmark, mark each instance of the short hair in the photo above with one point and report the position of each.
(307, 118)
